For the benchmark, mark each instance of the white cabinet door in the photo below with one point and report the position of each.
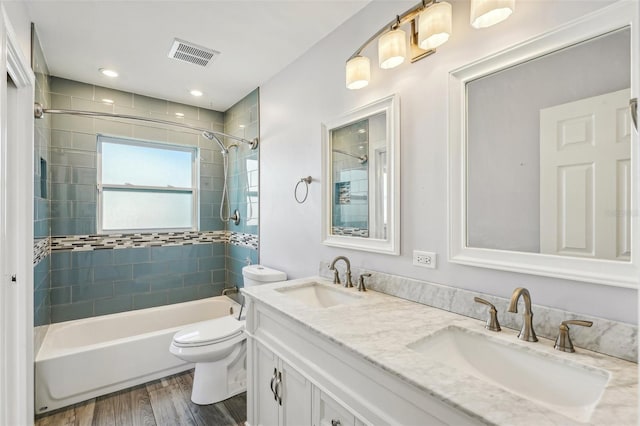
(266, 406)
(295, 391)
(282, 395)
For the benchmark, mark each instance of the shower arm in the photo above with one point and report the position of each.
(39, 112)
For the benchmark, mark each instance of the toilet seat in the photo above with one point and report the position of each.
(209, 332)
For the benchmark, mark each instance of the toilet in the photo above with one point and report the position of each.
(218, 347)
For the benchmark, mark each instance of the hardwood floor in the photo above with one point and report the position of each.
(164, 402)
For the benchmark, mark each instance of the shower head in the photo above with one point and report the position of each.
(363, 159)
(212, 137)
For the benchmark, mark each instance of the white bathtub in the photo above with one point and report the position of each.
(82, 359)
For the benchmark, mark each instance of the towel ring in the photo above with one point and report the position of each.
(307, 181)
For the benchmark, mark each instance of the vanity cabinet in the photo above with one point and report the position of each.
(283, 395)
(321, 383)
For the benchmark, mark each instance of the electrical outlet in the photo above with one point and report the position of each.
(426, 259)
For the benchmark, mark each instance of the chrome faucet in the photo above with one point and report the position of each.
(336, 278)
(526, 333)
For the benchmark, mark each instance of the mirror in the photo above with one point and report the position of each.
(360, 175)
(542, 159)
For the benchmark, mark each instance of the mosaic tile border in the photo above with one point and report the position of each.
(351, 232)
(152, 239)
(243, 240)
(41, 249)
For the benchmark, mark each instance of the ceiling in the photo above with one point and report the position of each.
(257, 39)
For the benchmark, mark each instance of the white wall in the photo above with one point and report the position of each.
(19, 17)
(312, 90)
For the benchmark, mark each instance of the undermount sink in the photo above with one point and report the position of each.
(317, 295)
(567, 388)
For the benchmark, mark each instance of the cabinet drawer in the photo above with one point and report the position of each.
(328, 412)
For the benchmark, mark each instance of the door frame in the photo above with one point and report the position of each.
(16, 230)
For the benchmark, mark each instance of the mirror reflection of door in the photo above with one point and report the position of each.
(585, 177)
(548, 166)
(358, 207)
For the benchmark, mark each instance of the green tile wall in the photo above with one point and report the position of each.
(82, 284)
(242, 120)
(99, 282)
(73, 149)
(41, 185)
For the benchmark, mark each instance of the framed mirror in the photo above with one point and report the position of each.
(544, 157)
(361, 176)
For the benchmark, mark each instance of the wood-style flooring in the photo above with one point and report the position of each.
(164, 402)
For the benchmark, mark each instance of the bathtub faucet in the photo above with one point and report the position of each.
(230, 290)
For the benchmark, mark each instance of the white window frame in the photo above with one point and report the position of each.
(194, 189)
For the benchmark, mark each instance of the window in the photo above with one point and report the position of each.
(252, 192)
(146, 186)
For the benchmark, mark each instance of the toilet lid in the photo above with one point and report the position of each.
(208, 332)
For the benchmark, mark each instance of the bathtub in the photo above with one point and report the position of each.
(82, 359)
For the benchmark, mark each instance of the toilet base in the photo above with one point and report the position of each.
(216, 381)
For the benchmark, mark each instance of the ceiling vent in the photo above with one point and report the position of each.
(188, 52)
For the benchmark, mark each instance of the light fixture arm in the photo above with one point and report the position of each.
(399, 20)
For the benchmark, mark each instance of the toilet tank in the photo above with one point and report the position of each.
(258, 274)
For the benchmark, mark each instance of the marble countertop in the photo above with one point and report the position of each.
(378, 328)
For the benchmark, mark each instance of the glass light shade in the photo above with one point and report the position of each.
(434, 25)
(485, 13)
(358, 72)
(392, 49)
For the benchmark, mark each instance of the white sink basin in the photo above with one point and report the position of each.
(565, 387)
(317, 295)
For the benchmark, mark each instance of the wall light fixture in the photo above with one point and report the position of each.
(431, 24)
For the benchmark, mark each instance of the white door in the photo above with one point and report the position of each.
(585, 178)
(16, 230)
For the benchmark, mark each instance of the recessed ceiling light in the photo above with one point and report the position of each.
(196, 93)
(108, 73)
(361, 131)
(241, 126)
(179, 114)
(107, 101)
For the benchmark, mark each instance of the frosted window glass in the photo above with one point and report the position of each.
(124, 164)
(124, 210)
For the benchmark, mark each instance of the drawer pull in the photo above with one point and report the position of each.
(273, 378)
(335, 423)
(278, 388)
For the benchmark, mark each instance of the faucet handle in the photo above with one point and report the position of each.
(361, 286)
(492, 321)
(348, 283)
(563, 342)
(336, 276)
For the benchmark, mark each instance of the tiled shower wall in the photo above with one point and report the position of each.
(73, 152)
(41, 186)
(93, 279)
(242, 120)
